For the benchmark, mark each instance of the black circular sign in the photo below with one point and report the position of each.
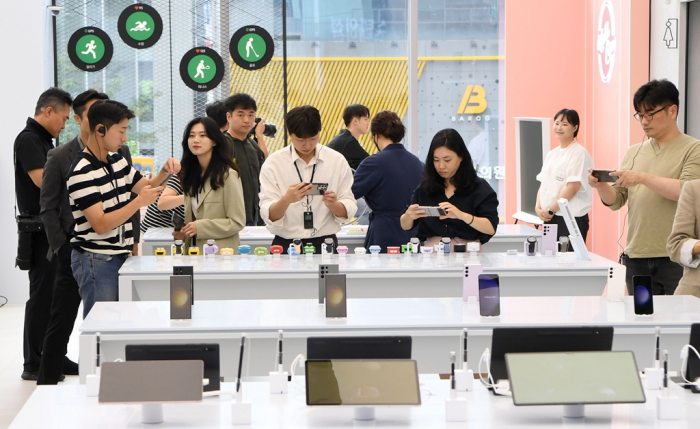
(202, 69)
(140, 26)
(251, 47)
(90, 49)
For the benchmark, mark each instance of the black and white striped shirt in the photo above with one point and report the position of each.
(91, 182)
(163, 218)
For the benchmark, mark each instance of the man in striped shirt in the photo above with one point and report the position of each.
(99, 187)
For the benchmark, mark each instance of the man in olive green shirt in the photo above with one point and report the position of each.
(650, 180)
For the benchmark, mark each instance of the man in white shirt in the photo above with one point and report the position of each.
(287, 205)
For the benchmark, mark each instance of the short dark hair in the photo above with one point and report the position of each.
(53, 97)
(303, 121)
(388, 124)
(465, 179)
(217, 111)
(84, 97)
(571, 117)
(354, 111)
(655, 93)
(240, 101)
(108, 113)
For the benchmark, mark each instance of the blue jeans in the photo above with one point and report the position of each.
(97, 276)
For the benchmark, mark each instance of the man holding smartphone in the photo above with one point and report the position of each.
(650, 179)
(287, 201)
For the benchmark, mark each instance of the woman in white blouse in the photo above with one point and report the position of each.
(564, 175)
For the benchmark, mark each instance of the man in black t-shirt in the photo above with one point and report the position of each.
(247, 154)
(30, 149)
(356, 118)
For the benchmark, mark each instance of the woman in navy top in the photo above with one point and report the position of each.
(387, 180)
(450, 182)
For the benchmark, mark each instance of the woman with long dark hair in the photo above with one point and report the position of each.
(214, 206)
(450, 182)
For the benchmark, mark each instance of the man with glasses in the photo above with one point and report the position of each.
(650, 180)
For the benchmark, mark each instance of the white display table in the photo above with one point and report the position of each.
(67, 407)
(147, 278)
(507, 237)
(434, 323)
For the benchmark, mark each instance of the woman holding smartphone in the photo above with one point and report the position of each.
(213, 194)
(450, 182)
(565, 175)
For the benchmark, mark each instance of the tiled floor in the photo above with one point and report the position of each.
(14, 391)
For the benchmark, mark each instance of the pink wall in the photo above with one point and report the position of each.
(552, 63)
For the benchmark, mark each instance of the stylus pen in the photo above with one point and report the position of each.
(464, 353)
(656, 360)
(453, 384)
(279, 351)
(97, 357)
(665, 372)
(240, 364)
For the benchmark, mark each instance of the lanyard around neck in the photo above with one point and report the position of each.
(313, 172)
(112, 180)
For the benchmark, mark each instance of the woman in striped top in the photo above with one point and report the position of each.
(214, 206)
(157, 217)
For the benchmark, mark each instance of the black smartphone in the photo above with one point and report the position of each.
(186, 270)
(643, 298)
(178, 222)
(180, 297)
(603, 175)
(489, 295)
(323, 270)
(336, 298)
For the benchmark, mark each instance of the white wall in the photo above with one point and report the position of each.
(23, 30)
(668, 62)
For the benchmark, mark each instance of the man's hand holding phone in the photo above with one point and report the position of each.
(329, 198)
(598, 180)
(296, 193)
(629, 178)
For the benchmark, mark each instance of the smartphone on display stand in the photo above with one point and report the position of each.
(643, 298)
(336, 298)
(489, 295)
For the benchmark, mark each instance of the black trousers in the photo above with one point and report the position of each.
(316, 241)
(37, 312)
(665, 274)
(581, 221)
(64, 311)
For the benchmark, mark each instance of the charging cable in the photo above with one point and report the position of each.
(502, 387)
(299, 360)
(684, 365)
(486, 357)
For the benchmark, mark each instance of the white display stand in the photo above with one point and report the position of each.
(65, 406)
(144, 278)
(531, 146)
(435, 325)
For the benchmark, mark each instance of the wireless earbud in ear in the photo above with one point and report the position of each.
(102, 130)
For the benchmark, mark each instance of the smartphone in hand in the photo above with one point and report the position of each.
(604, 175)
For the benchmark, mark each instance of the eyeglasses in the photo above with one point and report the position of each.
(639, 116)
